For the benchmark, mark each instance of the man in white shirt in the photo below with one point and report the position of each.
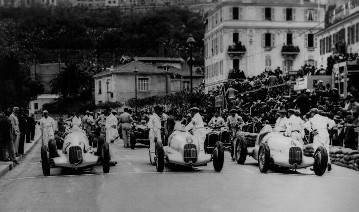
(234, 121)
(295, 126)
(281, 123)
(154, 124)
(15, 132)
(197, 126)
(47, 126)
(76, 120)
(319, 126)
(216, 121)
(111, 131)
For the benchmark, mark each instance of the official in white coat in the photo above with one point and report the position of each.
(154, 124)
(111, 128)
(47, 126)
(295, 126)
(319, 126)
(197, 126)
(281, 123)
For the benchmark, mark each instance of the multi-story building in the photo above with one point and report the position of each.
(90, 3)
(343, 35)
(259, 35)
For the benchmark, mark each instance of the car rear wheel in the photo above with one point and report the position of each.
(218, 157)
(106, 158)
(264, 158)
(232, 151)
(52, 148)
(320, 161)
(241, 151)
(132, 141)
(160, 157)
(45, 161)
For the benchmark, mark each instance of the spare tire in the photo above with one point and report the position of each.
(320, 161)
(218, 157)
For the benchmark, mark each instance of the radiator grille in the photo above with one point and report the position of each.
(190, 153)
(295, 155)
(212, 139)
(75, 154)
(225, 137)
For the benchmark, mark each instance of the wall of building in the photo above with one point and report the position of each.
(46, 72)
(251, 27)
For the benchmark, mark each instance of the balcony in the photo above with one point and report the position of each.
(236, 50)
(290, 50)
(236, 74)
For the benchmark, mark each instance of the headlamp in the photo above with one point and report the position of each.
(189, 140)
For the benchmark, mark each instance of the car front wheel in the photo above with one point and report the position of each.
(160, 157)
(241, 151)
(106, 158)
(45, 161)
(263, 159)
(218, 157)
(320, 161)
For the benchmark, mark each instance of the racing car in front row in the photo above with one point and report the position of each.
(184, 149)
(273, 148)
(75, 153)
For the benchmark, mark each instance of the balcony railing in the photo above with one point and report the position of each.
(290, 50)
(236, 74)
(236, 50)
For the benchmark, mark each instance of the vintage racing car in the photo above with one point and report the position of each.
(74, 153)
(184, 149)
(214, 135)
(275, 148)
(139, 134)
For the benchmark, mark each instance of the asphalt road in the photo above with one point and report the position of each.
(134, 185)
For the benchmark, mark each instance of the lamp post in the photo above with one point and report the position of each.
(135, 71)
(190, 42)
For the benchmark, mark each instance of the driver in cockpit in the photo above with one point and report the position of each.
(216, 121)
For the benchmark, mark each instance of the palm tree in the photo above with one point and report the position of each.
(70, 81)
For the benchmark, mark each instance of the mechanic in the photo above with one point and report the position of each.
(47, 126)
(76, 120)
(111, 130)
(319, 126)
(294, 126)
(216, 121)
(281, 122)
(234, 122)
(125, 119)
(197, 126)
(154, 124)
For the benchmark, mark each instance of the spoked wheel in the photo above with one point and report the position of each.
(106, 158)
(160, 157)
(241, 151)
(263, 159)
(320, 161)
(218, 157)
(45, 161)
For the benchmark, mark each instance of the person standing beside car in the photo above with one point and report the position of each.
(197, 126)
(5, 137)
(31, 124)
(125, 120)
(23, 130)
(15, 135)
(47, 126)
(154, 124)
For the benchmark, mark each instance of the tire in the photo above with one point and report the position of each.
(52, 149)
(320, 161)
(45, 161)
(105, 158)
(160, 157)
(232, 151)
(264, 158)
(241, 151)
(132, 141)
(218, 157)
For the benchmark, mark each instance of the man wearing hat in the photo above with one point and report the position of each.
(47, 126)
(216, 121)
(154, 124)
(295, 125)
(281, 122)
(84, 119)
(319, 126)
(197, 126)
(125, 119)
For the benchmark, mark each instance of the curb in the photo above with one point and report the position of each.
(12, 165)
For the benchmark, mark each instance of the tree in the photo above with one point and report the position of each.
(70, 81)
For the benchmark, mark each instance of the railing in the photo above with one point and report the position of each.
(236, 50)
(290, 50)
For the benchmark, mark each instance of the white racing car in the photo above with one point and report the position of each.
(75, 153)
(275, 148)
(185, 149)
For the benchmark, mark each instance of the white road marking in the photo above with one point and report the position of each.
(137, 170)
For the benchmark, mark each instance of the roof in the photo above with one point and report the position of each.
(339, 23)
(277, 3)
(160, 59)
(48, 96)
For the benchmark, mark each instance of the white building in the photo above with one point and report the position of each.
(343, 35)
(35, 106)
(271, 31)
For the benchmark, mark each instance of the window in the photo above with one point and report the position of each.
(352, 33)
(268, 40)
(310, 40)
(235, 63)
(99, 87)
(288, 66)
(108, 85)
(268, 14)
(221, 42)
(289, 39)
(143, 84)
(311, 15)
(235, 37)
(235, 13)
(268, 63)
(289, 14)
(36, 106)
(221, 67)
(186, 85)
(357, 34)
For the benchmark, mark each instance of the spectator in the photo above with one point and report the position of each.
(15, 135)
(23, 130)
(6, 143)
(31, 124)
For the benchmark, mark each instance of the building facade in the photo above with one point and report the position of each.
(119, 84)
(259, 35)
(343, 35)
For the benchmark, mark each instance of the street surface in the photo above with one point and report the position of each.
(134, 185)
